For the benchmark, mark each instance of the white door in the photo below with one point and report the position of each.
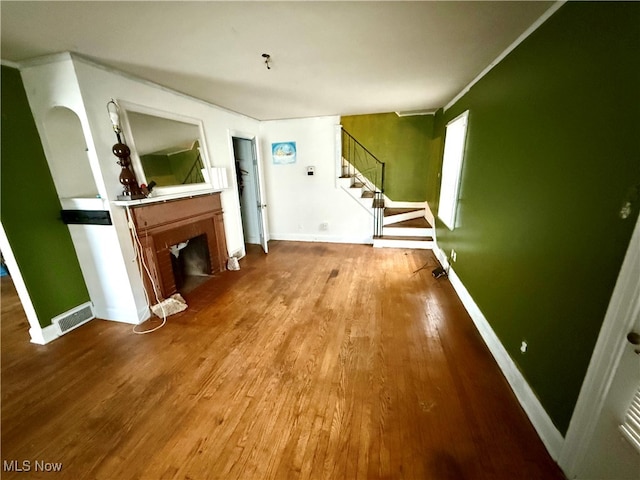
(261, 203)
(610, 455)
(252, 202)
(602, 450)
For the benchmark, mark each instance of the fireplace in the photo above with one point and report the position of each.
(163, 226)
(190, 263)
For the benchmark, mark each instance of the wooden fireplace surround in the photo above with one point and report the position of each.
(161, 225)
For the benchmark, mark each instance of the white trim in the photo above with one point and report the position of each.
(36, 332)
(73, 56)
(534, 26)
(388, 203)
(397, 243)
(42, 336)
(549, 434)
(45, 59)
(338, 153)
(453, 158)
(414, 113)
(126, 108)
(430, 217)
(10, 64)
(605, 358)
(308, 237)
(261, 191)
(391, 231)
(165, 197)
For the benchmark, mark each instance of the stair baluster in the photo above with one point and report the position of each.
(363, 166)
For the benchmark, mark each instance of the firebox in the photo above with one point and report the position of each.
(190, 263)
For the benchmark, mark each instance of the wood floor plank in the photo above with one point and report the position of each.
(316, 361)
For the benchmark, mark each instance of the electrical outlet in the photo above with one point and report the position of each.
(324, 226)
(454, 255)
(523, 347)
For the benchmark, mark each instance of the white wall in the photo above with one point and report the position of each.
(85, 88)
(50, 84)
(297, 203)
(99, 85)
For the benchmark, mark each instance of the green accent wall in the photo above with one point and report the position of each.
(404, 144)
(552, 153)
(30, 210)
(173, 169)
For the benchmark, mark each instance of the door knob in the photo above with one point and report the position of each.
(634, 338)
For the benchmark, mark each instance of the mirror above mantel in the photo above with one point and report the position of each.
(167, 149)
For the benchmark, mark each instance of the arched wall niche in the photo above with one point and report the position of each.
(68, 154)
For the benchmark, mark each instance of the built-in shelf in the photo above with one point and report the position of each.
(84, 203)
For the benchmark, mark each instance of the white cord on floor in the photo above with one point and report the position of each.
(142, 267)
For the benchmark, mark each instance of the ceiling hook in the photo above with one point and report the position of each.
(267, 59)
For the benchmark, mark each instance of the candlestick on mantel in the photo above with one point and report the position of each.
(131, 189)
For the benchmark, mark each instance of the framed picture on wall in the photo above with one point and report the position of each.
(283, 153)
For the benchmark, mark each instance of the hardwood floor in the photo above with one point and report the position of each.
(316, 361)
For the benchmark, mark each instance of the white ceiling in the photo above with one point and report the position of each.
(328, 58)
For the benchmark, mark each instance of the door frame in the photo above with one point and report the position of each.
(39, 335)
(617, 323)
(259, 178)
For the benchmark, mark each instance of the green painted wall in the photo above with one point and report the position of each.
(173, 169)
(182, 164)
(552, 152)
(158, 169)
(30, 210)
(404, 144)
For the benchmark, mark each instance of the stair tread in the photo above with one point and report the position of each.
(412, 239)
(411, 223)
(367, 194)
(397, 211)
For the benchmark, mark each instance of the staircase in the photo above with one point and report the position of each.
(395, 225)
(406, 228)
(399, 225)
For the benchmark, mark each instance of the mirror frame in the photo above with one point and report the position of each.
(136, 163)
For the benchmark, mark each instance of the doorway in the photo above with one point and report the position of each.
(250, 196)
(595, 445)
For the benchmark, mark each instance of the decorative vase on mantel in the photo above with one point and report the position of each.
(131, 189)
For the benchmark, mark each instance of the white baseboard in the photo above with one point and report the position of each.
(549, 434)
(123, 315)
(307, 237)
(42, 336)
(414, 244)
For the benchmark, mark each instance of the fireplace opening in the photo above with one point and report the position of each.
(191, 263)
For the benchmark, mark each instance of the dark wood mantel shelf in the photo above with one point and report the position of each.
(161, 225)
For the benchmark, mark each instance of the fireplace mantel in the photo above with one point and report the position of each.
(159, 225)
